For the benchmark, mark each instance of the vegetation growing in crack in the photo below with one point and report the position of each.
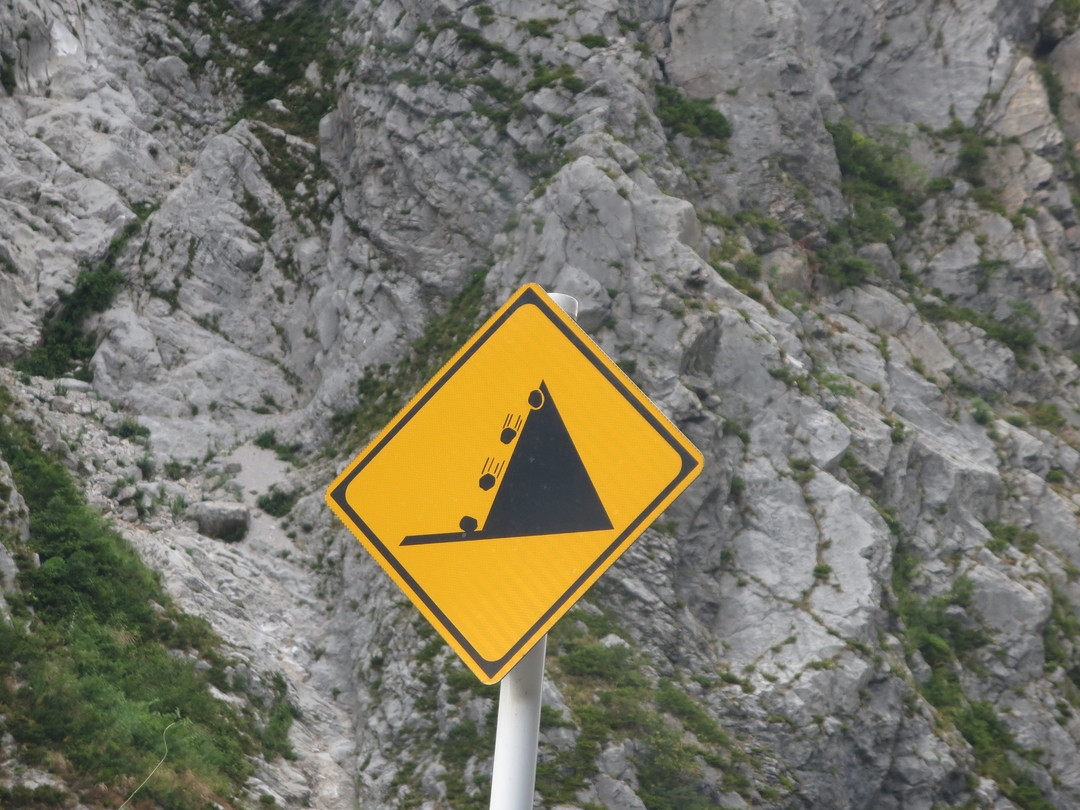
(1017, 331)
(946, 642)
(64, 348)
(738, 266)
(383, 390)
(270, 60)
(275, 734)
(458, 741)
(694, 118)
(611, 698)
(877, 179)
(294, 174)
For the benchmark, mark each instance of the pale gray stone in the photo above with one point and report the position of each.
(221, 519)
(253, 304)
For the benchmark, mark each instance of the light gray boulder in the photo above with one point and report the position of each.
(221, 520)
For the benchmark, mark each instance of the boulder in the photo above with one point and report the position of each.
(221, 520)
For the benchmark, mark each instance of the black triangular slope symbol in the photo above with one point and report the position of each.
(546, 488)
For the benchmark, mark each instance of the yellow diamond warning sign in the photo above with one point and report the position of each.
(512, 481)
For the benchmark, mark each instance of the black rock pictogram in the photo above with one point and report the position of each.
(545, 488)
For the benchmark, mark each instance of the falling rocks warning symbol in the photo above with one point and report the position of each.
(545, 490)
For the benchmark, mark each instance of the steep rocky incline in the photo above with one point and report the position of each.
(836, 242)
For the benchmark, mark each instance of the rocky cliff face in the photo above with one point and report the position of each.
(835, 242)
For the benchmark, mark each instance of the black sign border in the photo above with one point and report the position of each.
(528, 297)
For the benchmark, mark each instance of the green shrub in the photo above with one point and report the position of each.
(301, 35)
(463, 742)
(938, 635)
(971, 158)
(1006, 534)
(1060, 632)
(488, 52)
(277, 502)
(267, 440)
(669, 777)
(594, 660)
(129, 428)
(992, 742)
(738, 487)
(1015, 331)
(1055, 91)
(695, 118)
(848, 270)
(275, 738)
(593, 40)
(876, 176)
(7, 74)
(537, 27)
(671, 699)
(940, 184)
(548, 77)
(1047, 416)
(18, 797)
(981, 412)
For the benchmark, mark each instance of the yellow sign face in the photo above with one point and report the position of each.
(512, 481)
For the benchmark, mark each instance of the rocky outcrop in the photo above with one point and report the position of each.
(222, 520)
(834, 242)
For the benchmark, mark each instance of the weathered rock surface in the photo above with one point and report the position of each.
(884, 540)
(222, 520)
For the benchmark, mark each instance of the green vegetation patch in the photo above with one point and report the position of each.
(302, 36)
(550, 76)
(538, 27)
(1003, 535)
(1060, 633)
(944, 643)
(277, 503)
(487, 52)
(876, 176)
(594, 41)
(464, 742)
(1017, 331)
(89, 671)
(993, 744)
(20, 797)
(611, 698)
(65, 349)
(290, 453)
(695, 118)
(973, 153)
(7, 74)
(286, 167)
(275, 736)
(1068, 10)
(877, 179)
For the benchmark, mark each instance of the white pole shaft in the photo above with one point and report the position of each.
(513, 774)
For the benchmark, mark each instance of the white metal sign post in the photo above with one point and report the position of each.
(513, 772)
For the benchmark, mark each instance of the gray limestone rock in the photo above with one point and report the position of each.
(221, 520)
(278, 285)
